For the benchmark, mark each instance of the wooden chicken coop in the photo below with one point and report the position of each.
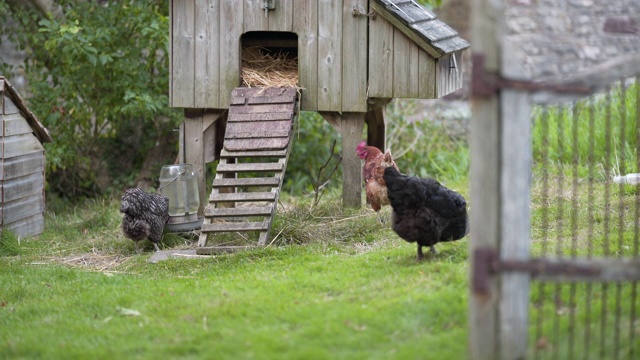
(22, 165)
(351, 57)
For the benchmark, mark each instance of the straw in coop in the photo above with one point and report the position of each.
(263, 68)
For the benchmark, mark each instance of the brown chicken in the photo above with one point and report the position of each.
(374, 164)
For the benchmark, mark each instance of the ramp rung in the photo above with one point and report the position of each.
(250, 167)
(230, 182)
(235, 226)
(239, 211)
(225, 154)
(258, 134)
(243, 196)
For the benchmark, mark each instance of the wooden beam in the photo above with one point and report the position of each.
(485, 187)
(351, 127)
(376, 128)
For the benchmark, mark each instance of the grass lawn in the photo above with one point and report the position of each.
(356, 291)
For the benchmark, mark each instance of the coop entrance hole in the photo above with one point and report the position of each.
(269, 58)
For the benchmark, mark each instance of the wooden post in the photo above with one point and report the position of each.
(351, 127)
(199, 135)
(484, 143)
(376, 128)
(500, 186)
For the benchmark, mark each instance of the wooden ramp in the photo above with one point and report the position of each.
(252, 164)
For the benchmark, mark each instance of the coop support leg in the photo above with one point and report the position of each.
(376, 128)
(351, 127)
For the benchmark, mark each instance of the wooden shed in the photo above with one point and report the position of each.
(353, 57)
(22, 165)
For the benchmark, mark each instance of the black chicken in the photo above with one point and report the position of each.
(144, 215)
(424, 211)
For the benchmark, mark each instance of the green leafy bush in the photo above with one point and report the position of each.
(98, 80)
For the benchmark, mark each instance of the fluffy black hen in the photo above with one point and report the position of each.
(144, 215)
(424, 211)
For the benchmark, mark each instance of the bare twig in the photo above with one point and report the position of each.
(319, 183)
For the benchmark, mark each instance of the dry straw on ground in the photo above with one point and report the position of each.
(263, 68)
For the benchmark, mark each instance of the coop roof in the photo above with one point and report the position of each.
(421, 26)
(39, 130)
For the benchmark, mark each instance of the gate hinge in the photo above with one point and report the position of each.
(485, 83)
(487, 263)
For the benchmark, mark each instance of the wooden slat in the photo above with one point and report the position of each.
(235, 226)
(329, 55)
(21, 145)
(260, 135)
(281, 19)
(256, 144)
(238, 100)
(15, 125)
(22, 166)
(23, 208)
(252, 154)
(427, 77)
(261, 109)
(354, 74)
(183, 53)
(269, 181)
(305, 24)
(29, 226)
(381, 58)
(231, 28)
(240, 197)
(239, 211)
(258, 128)
(257, 167)
(22, 187)
(277, 99)
(287, 115)
(405, 66)
(254, 19)
(9, 106)
(264, 91)
(207, 58)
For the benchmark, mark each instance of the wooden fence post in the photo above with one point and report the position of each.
(500, 185)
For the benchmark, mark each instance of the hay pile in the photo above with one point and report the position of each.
(263, 68)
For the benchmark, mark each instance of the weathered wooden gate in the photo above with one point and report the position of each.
(555, 259)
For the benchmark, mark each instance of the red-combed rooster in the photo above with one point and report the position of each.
(374, 164)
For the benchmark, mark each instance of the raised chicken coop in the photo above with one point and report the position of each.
(345, 59)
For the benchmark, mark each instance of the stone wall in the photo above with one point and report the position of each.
(560, 38)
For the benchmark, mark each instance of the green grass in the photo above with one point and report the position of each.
(352, 292)
(334, 282)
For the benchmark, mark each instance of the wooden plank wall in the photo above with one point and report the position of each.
(332, 52)
(398, 68)
(206, 50)
(305, 24)
(448, 79)
(22, 166)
